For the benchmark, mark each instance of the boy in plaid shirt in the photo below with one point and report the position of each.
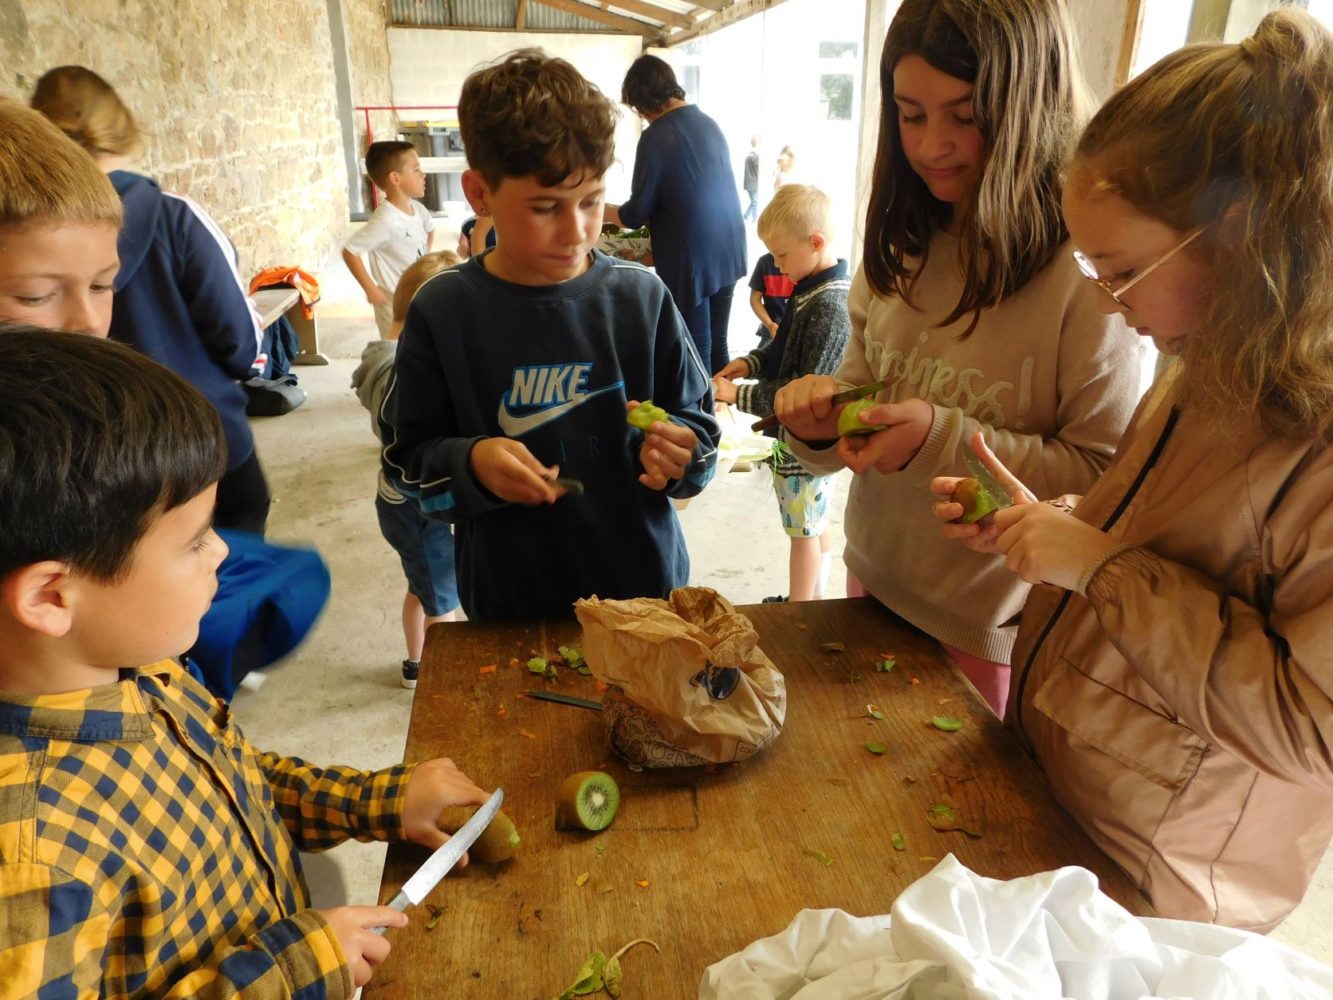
(146, 849)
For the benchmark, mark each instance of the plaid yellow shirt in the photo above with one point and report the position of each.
(147, 850)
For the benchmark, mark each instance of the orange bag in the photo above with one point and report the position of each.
(288, 274)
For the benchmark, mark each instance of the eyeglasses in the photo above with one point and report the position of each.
(1090, 270)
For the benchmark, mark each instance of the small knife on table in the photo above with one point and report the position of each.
(846, 396)
(428, 876)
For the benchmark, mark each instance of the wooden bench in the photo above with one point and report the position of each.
(275, 302)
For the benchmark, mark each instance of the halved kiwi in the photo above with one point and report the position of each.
(498, 842)
(976, 500)
(588, 800)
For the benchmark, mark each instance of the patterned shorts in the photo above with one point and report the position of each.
(803, 502)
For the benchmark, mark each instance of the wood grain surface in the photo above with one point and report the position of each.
(706, 861)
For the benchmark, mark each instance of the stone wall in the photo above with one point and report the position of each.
(236, 99)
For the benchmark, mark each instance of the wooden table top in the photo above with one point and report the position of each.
(705, 862)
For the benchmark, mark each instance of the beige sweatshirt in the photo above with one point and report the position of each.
(1049, 378)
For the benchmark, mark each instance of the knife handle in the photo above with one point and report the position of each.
(765, 424)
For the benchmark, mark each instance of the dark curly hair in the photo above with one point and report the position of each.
(650, 83)
(532, 115)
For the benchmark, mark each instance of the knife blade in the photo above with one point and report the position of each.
(846, 396)
(428, 876)
(564, 699)
(984, 476)
(574, 486)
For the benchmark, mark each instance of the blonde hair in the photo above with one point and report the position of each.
(417, 274)
(798, 211)
(88, 110)
(1237, 140)
(46, 179)
(1028, 100)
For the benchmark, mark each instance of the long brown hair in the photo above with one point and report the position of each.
(1028, 101)
(1238, 140)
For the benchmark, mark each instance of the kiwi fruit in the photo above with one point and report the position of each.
(587, 801)
(498, 842)
(976, 500)
(848, 424)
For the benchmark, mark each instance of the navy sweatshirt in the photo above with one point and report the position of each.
(551, 366)
(179, 300)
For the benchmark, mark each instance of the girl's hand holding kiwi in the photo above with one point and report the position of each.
(805, 407)
(906, 426)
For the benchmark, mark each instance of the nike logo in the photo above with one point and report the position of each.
(545, 393)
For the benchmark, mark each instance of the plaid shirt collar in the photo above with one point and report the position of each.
(115, 712)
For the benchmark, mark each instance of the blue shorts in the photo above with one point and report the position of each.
(803, 502)
(425, 547)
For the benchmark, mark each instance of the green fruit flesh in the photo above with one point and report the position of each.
(848, 422)
(645, 415)
(589, 800)
(976, 500)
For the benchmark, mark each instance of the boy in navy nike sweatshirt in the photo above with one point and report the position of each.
(520, 365)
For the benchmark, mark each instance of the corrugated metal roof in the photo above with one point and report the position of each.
(656, 20)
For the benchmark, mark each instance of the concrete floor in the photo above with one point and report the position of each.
(338, 698)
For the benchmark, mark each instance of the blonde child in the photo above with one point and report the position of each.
(58, 228)
(398, 232)
(797, 228)
(425, 545)
(1172, 676)
(970, 306)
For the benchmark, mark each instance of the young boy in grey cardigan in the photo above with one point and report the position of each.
(797, 230)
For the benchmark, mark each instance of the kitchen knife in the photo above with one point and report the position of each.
(564, 699)
(846, 396)
(983, 475)
(416, 888)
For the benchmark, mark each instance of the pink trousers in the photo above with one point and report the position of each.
(991, 679)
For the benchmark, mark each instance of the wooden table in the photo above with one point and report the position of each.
(706, 862)
(274, 302)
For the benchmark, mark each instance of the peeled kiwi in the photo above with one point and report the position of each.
(498, 842)
(588, 800)
(848, 422)
(976, 500)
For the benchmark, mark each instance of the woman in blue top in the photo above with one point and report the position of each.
(684, 188)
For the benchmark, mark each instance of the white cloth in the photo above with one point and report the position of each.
(953, 935)
(391, 240)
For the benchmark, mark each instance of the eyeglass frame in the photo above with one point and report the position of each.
(1089, 270)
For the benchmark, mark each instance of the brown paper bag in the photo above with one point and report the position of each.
(688, 683)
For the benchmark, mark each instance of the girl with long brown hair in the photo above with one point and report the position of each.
(969, 306)
(1173, 678)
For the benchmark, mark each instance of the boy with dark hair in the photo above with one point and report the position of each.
(521, 363)
(397, 233)
(146, 848)
(797, 228)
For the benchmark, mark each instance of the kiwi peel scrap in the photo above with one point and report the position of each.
(498, 842)
(976, 500)
(588, 800)
(849, 422)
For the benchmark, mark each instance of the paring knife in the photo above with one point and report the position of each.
(846, 396)
(983, 475)
(416, 888)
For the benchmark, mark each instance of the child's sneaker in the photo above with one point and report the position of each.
(411, 668)
(779, 599)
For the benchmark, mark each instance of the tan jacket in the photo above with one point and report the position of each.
(1183, 710)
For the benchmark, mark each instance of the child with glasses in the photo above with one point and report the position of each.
(1173, 677)
(970, 307)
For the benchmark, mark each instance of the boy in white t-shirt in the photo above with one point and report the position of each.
(397, 233)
